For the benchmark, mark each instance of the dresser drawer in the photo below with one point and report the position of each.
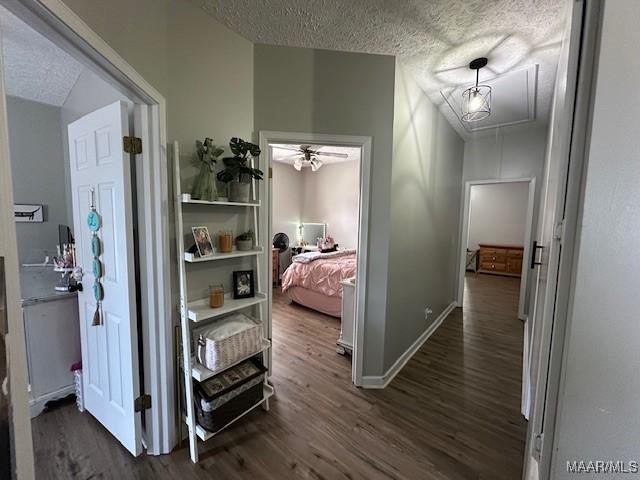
(494, 267)
(493, 258)
(515, 253)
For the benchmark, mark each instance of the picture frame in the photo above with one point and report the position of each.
(28, 213)
(243, 284)
(203, 241)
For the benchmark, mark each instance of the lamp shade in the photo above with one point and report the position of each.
(476, 103)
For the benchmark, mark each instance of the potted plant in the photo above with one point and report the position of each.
(204, 188)
(238, 173)
(245, 240)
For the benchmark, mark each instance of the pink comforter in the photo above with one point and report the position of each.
(323, 274)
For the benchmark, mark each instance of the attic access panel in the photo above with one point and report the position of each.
(513, 100)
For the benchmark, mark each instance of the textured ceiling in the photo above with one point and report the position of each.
(35, 68)
(435, 39)
(279, 154)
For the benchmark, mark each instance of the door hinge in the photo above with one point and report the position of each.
(270, 172)
(537, 446)
(143, 402)
(132, 145)
(558, 231)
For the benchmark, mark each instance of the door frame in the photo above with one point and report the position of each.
(364, 143)
(62, 26)
(524, 275)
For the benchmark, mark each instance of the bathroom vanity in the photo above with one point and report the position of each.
(52, 334)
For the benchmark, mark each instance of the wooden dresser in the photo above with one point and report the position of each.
(501, 259)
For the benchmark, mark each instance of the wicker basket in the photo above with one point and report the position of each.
(229, 340)
(222, 398)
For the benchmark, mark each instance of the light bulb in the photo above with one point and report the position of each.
(476, 103)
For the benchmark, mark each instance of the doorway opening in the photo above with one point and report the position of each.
(318, 196)
(68, 115)
(496, 234)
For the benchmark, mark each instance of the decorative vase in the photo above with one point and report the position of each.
(239, 191)
(244, 245)
(204, 187)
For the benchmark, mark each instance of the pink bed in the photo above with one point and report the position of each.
(313, 280)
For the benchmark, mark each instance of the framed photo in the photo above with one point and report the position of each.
(243, 286)
(203, 241)
(24, 213)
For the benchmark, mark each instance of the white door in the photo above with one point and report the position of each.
(100, 173)
(546, 254)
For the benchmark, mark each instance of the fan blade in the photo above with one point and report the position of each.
(286, 157)
(333, 154)
(315, 165)
(293, 149)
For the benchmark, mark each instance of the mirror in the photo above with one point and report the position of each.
(310, 232)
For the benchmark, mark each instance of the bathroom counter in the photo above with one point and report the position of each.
(37, 285)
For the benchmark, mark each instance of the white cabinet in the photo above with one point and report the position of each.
(345, 342)
(52, 332)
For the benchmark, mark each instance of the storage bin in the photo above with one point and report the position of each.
(228, 340)
(222, 398)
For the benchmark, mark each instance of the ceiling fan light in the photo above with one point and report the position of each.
(297, 164)
(315, 165)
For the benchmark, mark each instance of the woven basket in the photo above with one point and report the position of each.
(229, 340)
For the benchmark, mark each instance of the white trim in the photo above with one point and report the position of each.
(57, 21)
(36, 405)
(382, 381)
(365, 143)
(526, 255)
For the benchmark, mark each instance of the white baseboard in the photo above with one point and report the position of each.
(382, 381)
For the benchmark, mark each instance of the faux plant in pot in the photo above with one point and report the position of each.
(238, 171)
(245, 240)
(204, 188)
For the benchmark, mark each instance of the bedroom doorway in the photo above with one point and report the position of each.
(318, 189)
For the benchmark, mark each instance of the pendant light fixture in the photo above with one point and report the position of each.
(476, 100)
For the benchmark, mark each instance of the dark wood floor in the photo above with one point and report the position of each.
(452, 413)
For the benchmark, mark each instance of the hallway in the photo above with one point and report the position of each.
(453, 413)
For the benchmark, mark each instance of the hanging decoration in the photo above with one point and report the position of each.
(476, 100)
(95, 222)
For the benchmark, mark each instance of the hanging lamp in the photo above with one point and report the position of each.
(476, 100)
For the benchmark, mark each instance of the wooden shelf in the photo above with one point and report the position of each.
(202, 373)
(205, 435)
(199, 310)
(191, 258)
(186, 198)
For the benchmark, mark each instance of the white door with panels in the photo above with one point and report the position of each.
(101, 178)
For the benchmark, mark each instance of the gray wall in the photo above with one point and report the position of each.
(332, 196)
(38, 174)
(497, 214)
(208, 88)
(600, 388)
(425, 203)
(305, 90)
(287, 200)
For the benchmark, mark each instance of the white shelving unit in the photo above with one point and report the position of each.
(196, 310)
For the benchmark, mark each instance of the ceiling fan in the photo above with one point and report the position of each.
(306, 156)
